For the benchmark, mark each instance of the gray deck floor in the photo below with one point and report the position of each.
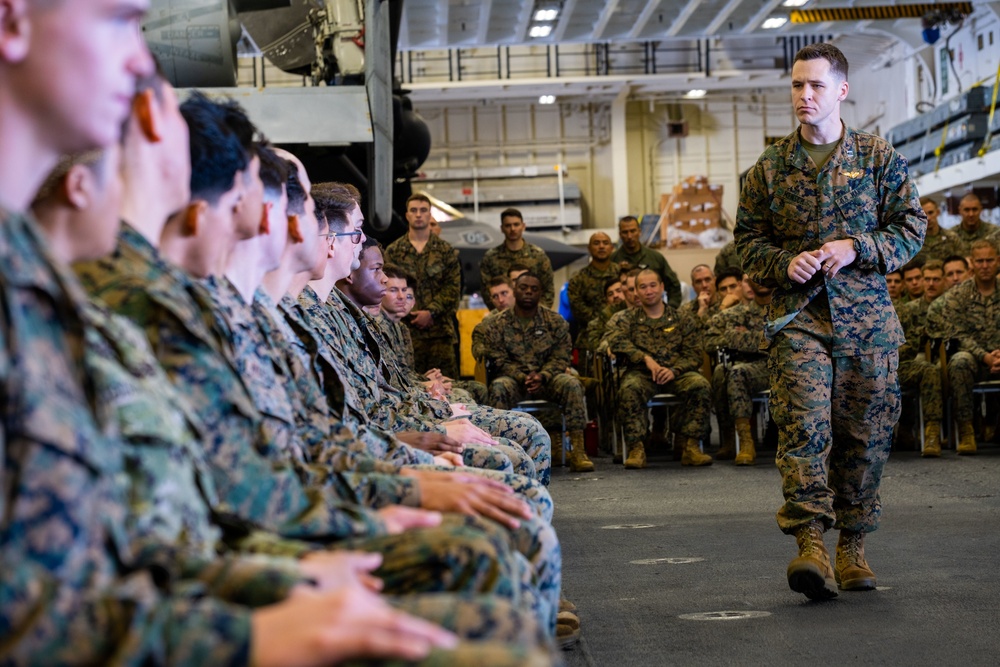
(937, 558)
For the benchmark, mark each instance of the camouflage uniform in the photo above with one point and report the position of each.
(673, 342)
(598, 326)
(174, 313)
(915, 371)
(727, 258)
(543, 346)
(480, 334)
(438, 289)
(833, 342)
(738, 328)
(941, 246)
(498, 260)
(75, 590)
(647, 258)
(587, 297)
(975, 321)
(964, 239)
(690, 309)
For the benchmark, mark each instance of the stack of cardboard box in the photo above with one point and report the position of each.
(691, 215)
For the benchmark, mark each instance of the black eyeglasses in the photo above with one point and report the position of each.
(355, 236)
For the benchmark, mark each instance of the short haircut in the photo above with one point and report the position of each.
(639, 272)
(627, 218)
(92, 160)
(510, 213)
(334, 204)
(898, 272)
(528, 274)
(240, 124)
(971, 195)
(273, 171)
(633, 273)
(517, 266)
(369, 243)
(399, 273)
(498, 281)
(216, 152)
(915, 263)
(700, 266)
(611, 282)
(933, 265)
(982, 244)
(829, 53)
(924, 201)
(417, 196)
(293, 187)
(957, 258)
(728, 272)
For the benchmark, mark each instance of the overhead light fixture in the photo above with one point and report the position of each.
(546, 14)
(774, 22)
(547, 99)
(696, 93)
(540, 31)
(794, 3)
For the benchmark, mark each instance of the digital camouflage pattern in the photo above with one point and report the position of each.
(727, 258)
(647, 258)
(964, 238)
(400, 344)
(497, 262)
(598, 326)
(438, 289)
(690, 309)
(974, 320)
(74, 589)
(517, 348)
(833, 341)
(739, 328)
(672, 341)
(915, 371)
(941, 246)
(587, 298)
(480, 335)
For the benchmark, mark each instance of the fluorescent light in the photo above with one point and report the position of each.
(547, 99)
(697, 92)
(540, 31)
(794, 3)
(774, 22)
(546, 14)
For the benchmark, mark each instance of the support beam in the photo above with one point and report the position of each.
(683, 17)
(619, 152)
(520, 35)
(644, 17)
(602, 22)
(443, 32)
(758, 18)
(564, 17)
(722, 17)
(485, 10)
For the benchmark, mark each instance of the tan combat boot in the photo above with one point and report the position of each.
(932, 440)
(692, 455)
(727, 450)
(636, 457)
(578, 461)
(557, 449)
(810, 573)
(748, 454)
(852, 571)
(966, 439)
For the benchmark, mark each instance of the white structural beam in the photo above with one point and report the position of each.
(722, 17)
(523, 21)
(683, 17)
(644, 17)
(564, 17)
(602, 21)
(485, 9)
(758, 18)
(619, 152)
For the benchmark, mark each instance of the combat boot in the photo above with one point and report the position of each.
(932, 440)
(727, 450)
(810, 573)
(567, 630)
(636, 457)
(966, 439)
(748, 454)
(578, 461)
(693, 456)
(852, 571)
(557, 449)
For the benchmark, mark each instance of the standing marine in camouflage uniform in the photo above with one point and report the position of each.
(638, 256)
(823, 215)
(663, 355)
(586, 288)
(728, 259)
(529, 349)
(915, 370)
(738, 329)
(515, 250)
(439, 278)
(939, 243)
(970, 312)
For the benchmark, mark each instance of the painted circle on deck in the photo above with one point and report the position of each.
(627, 526)
(666, 561)
(724, 615)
